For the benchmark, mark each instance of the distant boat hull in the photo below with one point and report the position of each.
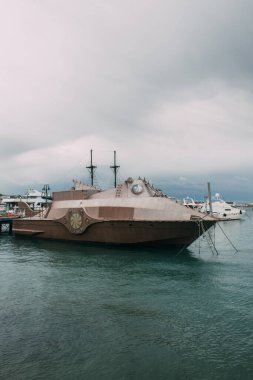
(145, 233)
(219, 212)
(227, 216)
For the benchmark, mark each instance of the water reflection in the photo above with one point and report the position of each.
(71, 310)
(76, 249)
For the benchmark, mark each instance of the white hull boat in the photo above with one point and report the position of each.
(222, 210)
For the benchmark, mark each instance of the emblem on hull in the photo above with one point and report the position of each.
(76, 220)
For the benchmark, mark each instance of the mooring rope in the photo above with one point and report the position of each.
(228, 238)
(209, 238)
(181, 250)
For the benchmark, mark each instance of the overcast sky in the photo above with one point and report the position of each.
(168, 84)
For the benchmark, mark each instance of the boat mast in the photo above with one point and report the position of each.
(115, 168)
(209, 198)
(91, 169)
(45, 192)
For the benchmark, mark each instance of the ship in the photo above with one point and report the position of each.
(29, 204)
(222, 210)
(132, 213)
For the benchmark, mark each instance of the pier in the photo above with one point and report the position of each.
(6, 224)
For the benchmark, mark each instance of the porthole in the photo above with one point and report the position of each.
(137, 189)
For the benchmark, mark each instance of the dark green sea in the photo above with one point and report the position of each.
(72, 311)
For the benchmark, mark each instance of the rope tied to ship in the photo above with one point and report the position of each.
(236, 250)
(207, 236)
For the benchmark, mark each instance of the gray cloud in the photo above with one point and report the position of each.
(160, 81)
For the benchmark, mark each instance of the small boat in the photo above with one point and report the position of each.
(132, 213)
(7, 212)
(189, 202)
(221, 209)
(33, 200)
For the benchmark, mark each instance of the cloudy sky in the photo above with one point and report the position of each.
(168, 84)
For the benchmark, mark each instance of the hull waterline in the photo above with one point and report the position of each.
(175, 234)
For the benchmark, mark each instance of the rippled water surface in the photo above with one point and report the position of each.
(71, 311)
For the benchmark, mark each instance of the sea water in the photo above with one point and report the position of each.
(73, 311)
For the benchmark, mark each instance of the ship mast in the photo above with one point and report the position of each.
(115, 168)
(210, 198)
(91, 169)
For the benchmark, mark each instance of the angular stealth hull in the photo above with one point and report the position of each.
(134, 213)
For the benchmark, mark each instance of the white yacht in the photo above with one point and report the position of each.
(190, 202)
(221, 209)
(35, 199)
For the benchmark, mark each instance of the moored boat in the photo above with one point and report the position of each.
(190, 202)
(134, 212)
(36, 200)
(221, 209)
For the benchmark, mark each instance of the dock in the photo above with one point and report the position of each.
(6, 224)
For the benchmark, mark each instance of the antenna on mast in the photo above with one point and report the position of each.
(91, 169)
(115, 168)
